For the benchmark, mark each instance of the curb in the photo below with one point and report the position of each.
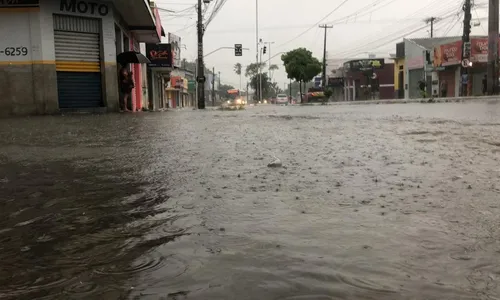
(406, 101)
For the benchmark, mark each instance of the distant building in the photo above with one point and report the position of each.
(369, 78)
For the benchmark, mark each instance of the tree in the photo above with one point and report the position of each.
(266, 84)
(301, 66)
(272, 68)
(237, 70)
(328, 93)
(253, 69)
(191, 66)
(275, 89)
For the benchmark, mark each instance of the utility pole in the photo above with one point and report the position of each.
(290, 89)
(464, 71)
(269, 61)
(431, 20)
(324, 54)
(493, 47)
(201, 65)
(213, 86)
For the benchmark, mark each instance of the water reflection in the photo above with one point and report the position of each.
(372, 202)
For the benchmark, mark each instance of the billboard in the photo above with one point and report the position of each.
(175, 41)
(364, 64)
(448, 54)
(160, 55)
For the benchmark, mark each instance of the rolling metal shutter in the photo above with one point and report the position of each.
(78, 61)
(414, 77)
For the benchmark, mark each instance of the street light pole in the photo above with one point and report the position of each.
(269, 61)
(260, 76)
(257, 35)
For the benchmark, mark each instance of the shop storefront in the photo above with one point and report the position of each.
(64, 53)
(448, 61)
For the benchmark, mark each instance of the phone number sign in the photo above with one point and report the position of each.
(14, 51)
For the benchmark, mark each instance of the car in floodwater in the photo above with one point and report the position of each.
(282, 99)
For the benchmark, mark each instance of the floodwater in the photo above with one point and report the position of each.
(372, 202)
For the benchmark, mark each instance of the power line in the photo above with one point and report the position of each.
(316, 24)
(377, 38)
(402, 33)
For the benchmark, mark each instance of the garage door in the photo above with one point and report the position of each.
(413, 87)
(78, 62)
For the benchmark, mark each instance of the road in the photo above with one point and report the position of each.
(372, 202)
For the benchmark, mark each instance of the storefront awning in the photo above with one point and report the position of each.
(144, 22)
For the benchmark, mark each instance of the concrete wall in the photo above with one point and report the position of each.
(27, 82)
(414, 58)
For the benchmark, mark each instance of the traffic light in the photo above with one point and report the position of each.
(264, 50)
(238, 50)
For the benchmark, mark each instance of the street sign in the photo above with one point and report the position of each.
(238, 50)
(467, 49)
(201, 79)
(465, 63)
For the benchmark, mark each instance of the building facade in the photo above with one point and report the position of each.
(367, 79)
(58, 55)
(447, 62)
(418, 54)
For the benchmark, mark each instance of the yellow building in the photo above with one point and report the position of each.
(399, 71)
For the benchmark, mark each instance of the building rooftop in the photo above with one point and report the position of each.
(430, 43)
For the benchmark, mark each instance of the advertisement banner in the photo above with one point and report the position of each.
(175, 41)
(479, 50)
(448, 54)
(192, 85)
(176, 82)
(160, 55)
(365, 64)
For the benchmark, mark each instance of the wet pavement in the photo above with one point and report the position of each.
(372, 202)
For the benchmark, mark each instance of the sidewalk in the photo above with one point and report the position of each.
(403, 101)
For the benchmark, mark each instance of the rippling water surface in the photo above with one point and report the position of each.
(373, 202)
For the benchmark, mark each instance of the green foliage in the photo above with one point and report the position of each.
(253, 69)
(191, 66)
(300, 65)
(328, 93)
(237, 69)
(273, 67)
(266, 84)
(275, 89)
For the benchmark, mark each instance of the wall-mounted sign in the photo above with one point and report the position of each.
(175, 41)
(365, 64)
(160, 55)
(84, 7)
(19, 3)
(335, 82)
(448, 54)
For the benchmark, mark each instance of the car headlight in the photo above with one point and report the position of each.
(228, 102)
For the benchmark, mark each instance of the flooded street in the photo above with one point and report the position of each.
(372, 202)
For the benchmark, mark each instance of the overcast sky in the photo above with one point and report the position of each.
(360, 27)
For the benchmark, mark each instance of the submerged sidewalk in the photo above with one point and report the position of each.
(419, 100)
